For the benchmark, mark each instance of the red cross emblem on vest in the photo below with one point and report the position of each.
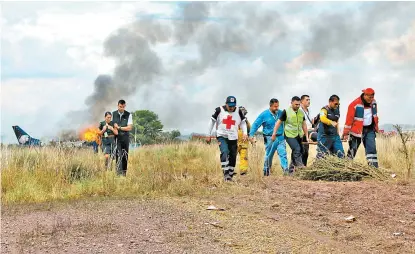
(229, 122)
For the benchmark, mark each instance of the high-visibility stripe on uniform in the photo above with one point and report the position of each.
(355, 117)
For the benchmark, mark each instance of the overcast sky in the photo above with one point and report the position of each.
(182, 60)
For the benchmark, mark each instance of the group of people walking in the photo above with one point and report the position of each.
(295, 126)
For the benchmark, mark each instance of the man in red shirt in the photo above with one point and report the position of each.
(362, 125)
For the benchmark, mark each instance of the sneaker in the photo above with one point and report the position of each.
(243, 173)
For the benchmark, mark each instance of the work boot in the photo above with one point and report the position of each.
(228, 178)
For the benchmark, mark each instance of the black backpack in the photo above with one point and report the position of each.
(316, 122)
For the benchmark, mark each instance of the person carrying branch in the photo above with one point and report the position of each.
(295, 127)
(362, 125)
(267, 120)
(328, 139)
(305, 107)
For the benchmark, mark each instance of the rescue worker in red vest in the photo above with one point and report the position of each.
(228, 119)
(295, 127)
(362, 125)
(243, 145)
(328, 138)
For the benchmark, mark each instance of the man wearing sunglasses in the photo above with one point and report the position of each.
(328, 138)
(362, 125)
(228, 119)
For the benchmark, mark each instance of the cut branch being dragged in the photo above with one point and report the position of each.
(332, 168)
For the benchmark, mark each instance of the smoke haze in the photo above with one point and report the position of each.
(255, 53)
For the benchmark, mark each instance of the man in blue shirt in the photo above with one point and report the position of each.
(267, 120)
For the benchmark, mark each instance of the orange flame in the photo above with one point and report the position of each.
(90, 134)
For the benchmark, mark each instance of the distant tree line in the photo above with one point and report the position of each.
(148, 129)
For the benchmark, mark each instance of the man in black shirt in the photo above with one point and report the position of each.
(123, 122)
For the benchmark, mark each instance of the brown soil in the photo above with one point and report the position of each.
(281, 216)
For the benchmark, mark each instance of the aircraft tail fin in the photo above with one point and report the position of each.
(23, 138)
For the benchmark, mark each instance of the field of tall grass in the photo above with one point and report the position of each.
(47, 174)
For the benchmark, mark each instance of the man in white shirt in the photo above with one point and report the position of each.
(123, 121)
(305, 104)
(228, 119)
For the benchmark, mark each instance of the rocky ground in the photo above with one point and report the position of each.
(282, 215)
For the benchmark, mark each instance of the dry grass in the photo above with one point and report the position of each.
(47, 174)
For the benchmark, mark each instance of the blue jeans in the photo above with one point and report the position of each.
(369, 142)
(270, 148)
(329, 144)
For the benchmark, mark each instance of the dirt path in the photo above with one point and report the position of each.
(309, 216)
(282, 216)
(114, 226)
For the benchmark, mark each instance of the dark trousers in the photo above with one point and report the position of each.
(306, 147)
(123, 143)
(228, 152)
(296, 152)
(369, 142)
